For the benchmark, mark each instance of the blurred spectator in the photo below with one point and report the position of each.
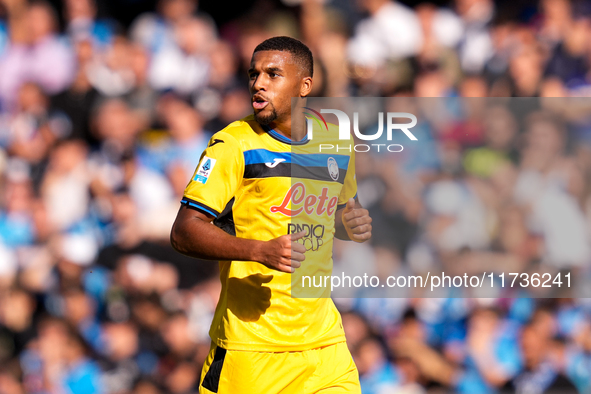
(80, 311)
(183, 148)
(526, 67)
(117, 127)
(16, 322)
(183, 379)
(16, 224)
(65, 185)
(10, 380)
(391, 32)
(500, 132)
(142, 98)
(544, 184)
(121, 349)
(82, 375)
(491, 357)
(59, 362)
(376, 374)
(78, 100)
(232, 107)
(41, 57)
(155, 31)
(177, 336)
(556, 17)
(82, 24)
(409, 377)
(539, 375)
(476, 47)
(184, 67)
(356, 329)
(569, 60)
(32, 129)
(110, 71)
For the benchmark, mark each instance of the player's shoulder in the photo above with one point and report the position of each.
(325, 132)
(326, 138)
(239, 131)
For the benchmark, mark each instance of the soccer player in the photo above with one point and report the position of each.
(274, 213)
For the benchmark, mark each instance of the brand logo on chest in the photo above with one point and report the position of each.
(296, 201)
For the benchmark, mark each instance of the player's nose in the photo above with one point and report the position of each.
(259, 84)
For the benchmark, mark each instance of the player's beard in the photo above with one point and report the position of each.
(266, 119)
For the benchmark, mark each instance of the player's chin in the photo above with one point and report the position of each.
(265, 116)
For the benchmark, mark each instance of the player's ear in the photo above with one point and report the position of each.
(305, 86)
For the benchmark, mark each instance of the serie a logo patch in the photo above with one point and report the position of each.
(204, 170)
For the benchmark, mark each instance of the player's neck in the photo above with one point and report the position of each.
(282, 128)
(295, 130)
(286, 129)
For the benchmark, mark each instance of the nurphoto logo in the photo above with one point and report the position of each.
(392, 120)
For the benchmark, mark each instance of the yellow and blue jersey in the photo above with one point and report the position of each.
(260, 185)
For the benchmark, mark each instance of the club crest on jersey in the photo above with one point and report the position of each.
(333, 168)
(204, 170)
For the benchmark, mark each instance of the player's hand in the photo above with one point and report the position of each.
(357, 222)
(284, 253)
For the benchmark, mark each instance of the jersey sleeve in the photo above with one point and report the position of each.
(217, 176)
(349, 189)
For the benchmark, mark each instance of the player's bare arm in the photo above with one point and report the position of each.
(353, 222)
(194, 235)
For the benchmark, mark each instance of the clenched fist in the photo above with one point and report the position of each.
(357, 222)
(283, 253)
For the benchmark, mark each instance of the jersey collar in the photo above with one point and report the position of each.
(281, 138)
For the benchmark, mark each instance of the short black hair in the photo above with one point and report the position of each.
(300, 52)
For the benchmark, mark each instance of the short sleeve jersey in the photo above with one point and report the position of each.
(260, 185)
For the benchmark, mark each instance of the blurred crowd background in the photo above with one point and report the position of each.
(105, 110)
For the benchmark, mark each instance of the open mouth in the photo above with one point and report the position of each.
(259, 102)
